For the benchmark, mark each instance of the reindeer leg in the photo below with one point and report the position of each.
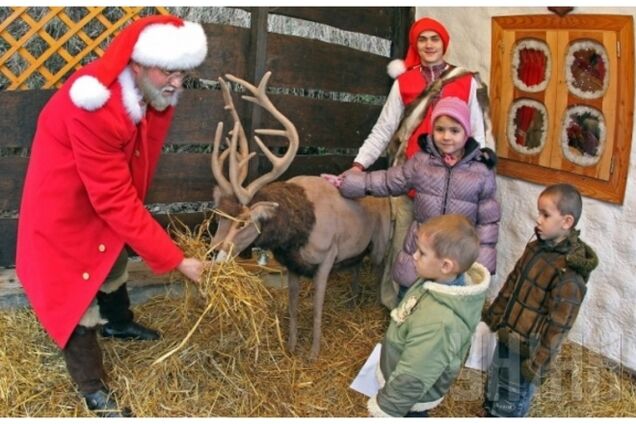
(356, 290)
(293, 287)
(320, 286)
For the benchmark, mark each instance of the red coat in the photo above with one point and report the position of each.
(412, 84)
(83, 201)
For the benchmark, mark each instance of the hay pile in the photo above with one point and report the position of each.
(217, 376)
(223, 350)
(213, 374)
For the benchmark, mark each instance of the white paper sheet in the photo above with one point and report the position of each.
(482, 348)
(366, 381)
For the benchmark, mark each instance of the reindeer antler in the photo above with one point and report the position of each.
(217, 161)
(280, 164)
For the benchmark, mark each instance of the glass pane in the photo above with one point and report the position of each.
(527, 126)
(587, 69)
(583, 135)
(531, 65)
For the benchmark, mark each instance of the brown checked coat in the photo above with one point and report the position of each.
(540, 300)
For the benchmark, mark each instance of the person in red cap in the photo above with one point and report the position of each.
(421, 79)
(95, 150)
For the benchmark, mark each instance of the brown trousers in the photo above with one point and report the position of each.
(401, 218)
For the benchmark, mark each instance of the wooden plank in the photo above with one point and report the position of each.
(9, 230)
(592, 187)
(403, 17)
(257, 59)
(12, 172)
(182, 177)
(375, 21)
(318, 164)
(300, 62)
(190, 219)
(226, 52)
(325, 123)
(139, 275)
(196, 117)
(575, 21)
(20, 111)
(321, 122)
(8, 238)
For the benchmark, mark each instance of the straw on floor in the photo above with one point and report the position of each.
(232, 360)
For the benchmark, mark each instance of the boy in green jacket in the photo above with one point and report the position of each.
(429, 336)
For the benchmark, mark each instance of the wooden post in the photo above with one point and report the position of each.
(402, 19)
(256, 62)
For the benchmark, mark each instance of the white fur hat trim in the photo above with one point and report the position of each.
(171, 47)
(88, 93)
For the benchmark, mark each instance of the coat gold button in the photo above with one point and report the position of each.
(101, 248)
(86, 276)
(137, 153)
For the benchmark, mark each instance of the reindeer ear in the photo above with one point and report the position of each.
(263, 210)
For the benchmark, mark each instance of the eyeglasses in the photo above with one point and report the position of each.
(173, 74)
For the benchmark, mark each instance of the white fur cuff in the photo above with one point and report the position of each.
(374, 409)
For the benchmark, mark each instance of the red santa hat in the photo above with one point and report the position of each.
(397, 67)
(167, 42)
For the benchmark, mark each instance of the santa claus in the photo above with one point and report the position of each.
(95, 150)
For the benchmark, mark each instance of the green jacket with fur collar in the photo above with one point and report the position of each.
(427, 342)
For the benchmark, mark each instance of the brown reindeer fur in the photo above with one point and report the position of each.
(288, 230)
(229, 205)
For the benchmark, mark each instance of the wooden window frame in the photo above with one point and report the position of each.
(613, 189)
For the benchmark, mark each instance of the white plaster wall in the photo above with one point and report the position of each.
(607, 320)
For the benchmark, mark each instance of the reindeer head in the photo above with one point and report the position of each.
(240, 225)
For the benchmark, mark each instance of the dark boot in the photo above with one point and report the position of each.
(103, 403)
(130, 331)
(115, 307)
(83, 358)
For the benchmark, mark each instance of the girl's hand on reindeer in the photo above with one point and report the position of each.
(334, 180)
(192, 268)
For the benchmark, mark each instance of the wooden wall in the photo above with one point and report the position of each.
(245, 52)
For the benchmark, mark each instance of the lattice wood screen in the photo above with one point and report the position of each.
(40, 46)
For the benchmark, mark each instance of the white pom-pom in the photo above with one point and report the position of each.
(395, 68)
(88, 93)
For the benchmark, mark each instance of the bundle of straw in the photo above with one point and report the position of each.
(235, 299)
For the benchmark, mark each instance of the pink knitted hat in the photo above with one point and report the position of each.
(456, 108)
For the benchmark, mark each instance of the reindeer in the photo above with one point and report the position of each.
(305, 222)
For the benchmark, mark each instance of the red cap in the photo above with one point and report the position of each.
(425, 24)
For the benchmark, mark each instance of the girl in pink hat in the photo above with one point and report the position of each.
(450, 174)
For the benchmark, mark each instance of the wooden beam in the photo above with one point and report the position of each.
(298, 62)
(138, 273)
(403, 17)
(375, 21)
(257, 57)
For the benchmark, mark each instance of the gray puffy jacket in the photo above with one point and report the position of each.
(467, 188)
